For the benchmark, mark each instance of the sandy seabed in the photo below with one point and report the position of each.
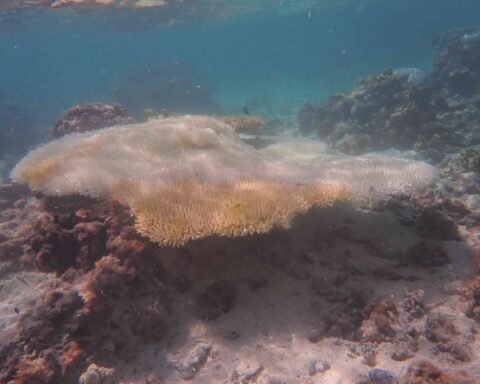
(330, 300)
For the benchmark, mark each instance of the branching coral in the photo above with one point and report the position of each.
(190, 177)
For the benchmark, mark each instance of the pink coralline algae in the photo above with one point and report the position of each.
(109, 297)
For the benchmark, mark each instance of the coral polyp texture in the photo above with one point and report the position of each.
(191, 177)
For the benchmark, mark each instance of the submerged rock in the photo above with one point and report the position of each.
(407, 108)
(89, 117)
(246, 373)
(416, 76)
(101, 313)
(472, 295)
(424, 372)
(384, 111)
(195, 360)
(380, 322)
(442, 330)
(318, 366)
(97, 375)
(457, 60)
(413, 304)
(380, 376)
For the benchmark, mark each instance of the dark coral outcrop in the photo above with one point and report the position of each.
(458, 60)
(88, 117)
(424, 372)
(407, 109)
(61, 240)
(385, 110)
(108, 300)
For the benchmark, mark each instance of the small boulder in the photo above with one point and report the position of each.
(194, 361)
(380, 376)
(89, 117)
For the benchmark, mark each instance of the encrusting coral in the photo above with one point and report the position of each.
(190, 177)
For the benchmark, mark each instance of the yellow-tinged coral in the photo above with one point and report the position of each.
(149, 113)
(191, 177)
(189, 210)
(38, 174)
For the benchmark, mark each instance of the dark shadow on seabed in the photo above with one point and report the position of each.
(338, 282)
(350, 288)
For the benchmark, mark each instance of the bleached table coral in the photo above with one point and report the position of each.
(190, 177)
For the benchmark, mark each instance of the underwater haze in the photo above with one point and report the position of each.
(271, 60)
(240, 191)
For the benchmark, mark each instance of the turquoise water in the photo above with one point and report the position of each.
(271, 59)
(89, 272)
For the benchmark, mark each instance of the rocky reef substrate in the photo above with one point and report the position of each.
(89, 117)
(388, 293)
(433, 113)
(101, 298)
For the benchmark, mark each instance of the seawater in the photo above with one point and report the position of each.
(271, 61)
(77, 281)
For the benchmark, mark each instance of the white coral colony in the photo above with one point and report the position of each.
(190, 177)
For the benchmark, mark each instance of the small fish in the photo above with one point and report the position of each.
(245, 110)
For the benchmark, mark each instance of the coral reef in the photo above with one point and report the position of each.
(328, 287)
(382, 295)
(190, 177)
(61, 241)
(384, 111)
(458, 60)
(93, 312)
(88, 117)
(424, 372)
(405, 109)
